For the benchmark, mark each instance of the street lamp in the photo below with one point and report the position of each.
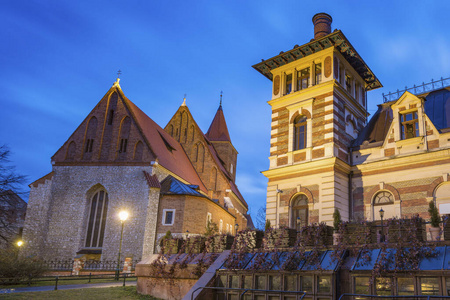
(236, 227)
(123, 216)
(299, 223)
(382, 228)
(19, 243)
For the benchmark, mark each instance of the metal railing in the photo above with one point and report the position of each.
(57, 279)
(420, 89)
(89, 265)
(363, 296)
(248, 290)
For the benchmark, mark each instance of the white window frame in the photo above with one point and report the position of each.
(208, 218)
(164, 217)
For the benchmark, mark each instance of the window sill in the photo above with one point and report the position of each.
(410, 141)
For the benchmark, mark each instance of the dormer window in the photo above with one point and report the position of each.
(318, 72)
(409, 123)
(300, 133)
(303, 79)
(288, 83)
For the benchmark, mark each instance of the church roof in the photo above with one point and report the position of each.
(172, 186)
(218, 130)
(169, 153)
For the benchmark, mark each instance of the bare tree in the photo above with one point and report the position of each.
(12, 207)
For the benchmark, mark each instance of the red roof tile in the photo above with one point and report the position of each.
(152, 180)
(218, 130)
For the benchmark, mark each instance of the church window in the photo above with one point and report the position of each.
(89, 138)
(383, 198)
(168, 216)
(138, 151)
(97, 220)
(318, 73)
(123, 145)
(71, 151)
(125, 127)
(303, 79)
(89, 145)
(299, 211)
(409, 125)
(288, 83)
(231, 169)
(111, 117)
(300, 133)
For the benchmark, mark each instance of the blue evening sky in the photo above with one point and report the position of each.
(58, 58)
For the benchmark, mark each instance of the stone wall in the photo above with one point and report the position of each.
(66, 207)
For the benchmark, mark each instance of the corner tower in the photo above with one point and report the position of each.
(318, 107)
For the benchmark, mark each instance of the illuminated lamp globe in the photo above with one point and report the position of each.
(123, 216)
(19, 243)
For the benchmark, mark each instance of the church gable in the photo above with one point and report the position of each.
(109, 134)
(202, 155)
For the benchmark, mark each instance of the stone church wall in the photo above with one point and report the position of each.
(72, 188)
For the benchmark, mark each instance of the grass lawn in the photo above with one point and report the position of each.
(126, 293)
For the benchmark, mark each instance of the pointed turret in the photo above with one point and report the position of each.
(218, 130)
(220, 138)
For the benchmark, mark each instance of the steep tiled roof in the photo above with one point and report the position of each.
(218, 130)
(168, 151)
(377, 129)
(172, 186)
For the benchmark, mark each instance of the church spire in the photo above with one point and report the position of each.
(218, 130)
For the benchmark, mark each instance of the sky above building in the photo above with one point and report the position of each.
(58, 59)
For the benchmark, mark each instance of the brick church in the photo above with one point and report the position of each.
(326, 155)
(176, 179)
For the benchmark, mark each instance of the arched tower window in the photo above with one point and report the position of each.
(138, 151)
(91, 132)
(200, 157)
(70, 155)
(299, 133)
(384, 200)
(97, 220)
(123, 137)
(299, 211)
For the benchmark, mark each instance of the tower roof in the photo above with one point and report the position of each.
(218, 130)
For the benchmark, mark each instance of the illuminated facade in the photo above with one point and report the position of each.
(174, 179)
(324, 151)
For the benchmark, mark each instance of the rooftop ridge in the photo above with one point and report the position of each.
(418, 90)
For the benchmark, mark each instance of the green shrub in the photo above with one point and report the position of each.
(267, 226)
(336, 219)
(435, 219)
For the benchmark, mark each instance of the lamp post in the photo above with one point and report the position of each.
(382, 228)
(236, 227)
(19, 244)
(123, 215)
(299, 223)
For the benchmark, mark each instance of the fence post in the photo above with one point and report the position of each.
(89, 277)
(56, 283)
(124, 278)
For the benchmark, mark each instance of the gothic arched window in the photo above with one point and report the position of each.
(97, 220)
(299, 211)
(299, 133)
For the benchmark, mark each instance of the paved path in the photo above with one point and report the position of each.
(65, 287)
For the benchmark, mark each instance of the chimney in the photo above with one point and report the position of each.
(322, 25)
